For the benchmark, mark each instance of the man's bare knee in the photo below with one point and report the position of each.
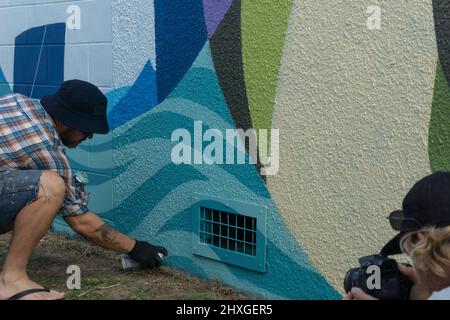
(52, 187)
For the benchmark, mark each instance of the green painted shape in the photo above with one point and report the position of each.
(439, 131)
(264, 26)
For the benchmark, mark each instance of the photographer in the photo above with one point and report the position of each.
(424, 226)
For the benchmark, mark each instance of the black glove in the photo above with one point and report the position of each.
(147, 254)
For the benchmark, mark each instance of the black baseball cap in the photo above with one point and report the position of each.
(426, 204)
(79, 105)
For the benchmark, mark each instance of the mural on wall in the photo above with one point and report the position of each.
(226, 49)
(158, 205)
(353, 105)
(264, 25)
(439, 137)
(4, 87)
(198, 74)
(39, 60)
(219, 61)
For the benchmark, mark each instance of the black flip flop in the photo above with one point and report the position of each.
(28, 292)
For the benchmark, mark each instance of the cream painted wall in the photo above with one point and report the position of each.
(353, 108)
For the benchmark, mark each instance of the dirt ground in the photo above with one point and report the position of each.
(103, 278)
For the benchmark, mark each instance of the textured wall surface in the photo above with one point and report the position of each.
(362, 114)
(353, 106)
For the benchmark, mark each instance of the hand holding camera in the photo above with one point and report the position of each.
(393, 284)
(417, 291)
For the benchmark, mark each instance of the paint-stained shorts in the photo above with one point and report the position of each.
(18, 188)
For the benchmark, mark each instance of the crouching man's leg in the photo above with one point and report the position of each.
(31, 214)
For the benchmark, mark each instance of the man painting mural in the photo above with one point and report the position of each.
(36, 181)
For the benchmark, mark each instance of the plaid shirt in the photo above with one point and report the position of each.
(29, 141)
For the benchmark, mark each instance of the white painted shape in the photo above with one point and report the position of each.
(133, 26)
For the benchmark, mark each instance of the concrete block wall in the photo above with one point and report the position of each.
(87, 51)
(39, 50)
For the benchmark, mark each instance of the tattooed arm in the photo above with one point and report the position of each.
(93, 228)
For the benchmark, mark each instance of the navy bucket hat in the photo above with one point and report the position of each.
(79, 105)
(426, 204)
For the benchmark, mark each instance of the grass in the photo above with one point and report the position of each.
(198, 296)
(103, 278)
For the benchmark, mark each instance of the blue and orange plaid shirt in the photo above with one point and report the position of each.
(29, 141)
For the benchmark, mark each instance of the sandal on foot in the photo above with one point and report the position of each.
(28, 292)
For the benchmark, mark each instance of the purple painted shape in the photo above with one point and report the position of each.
(215, 11)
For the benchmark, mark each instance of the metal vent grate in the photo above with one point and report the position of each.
(228, 231)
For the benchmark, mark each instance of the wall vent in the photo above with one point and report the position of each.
(230, 231)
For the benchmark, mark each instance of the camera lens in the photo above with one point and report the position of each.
(348, 280)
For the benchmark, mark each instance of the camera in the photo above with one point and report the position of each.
(393, 284)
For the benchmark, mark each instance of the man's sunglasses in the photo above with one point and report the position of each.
(399, 222)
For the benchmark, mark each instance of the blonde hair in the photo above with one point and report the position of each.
(431, 252)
